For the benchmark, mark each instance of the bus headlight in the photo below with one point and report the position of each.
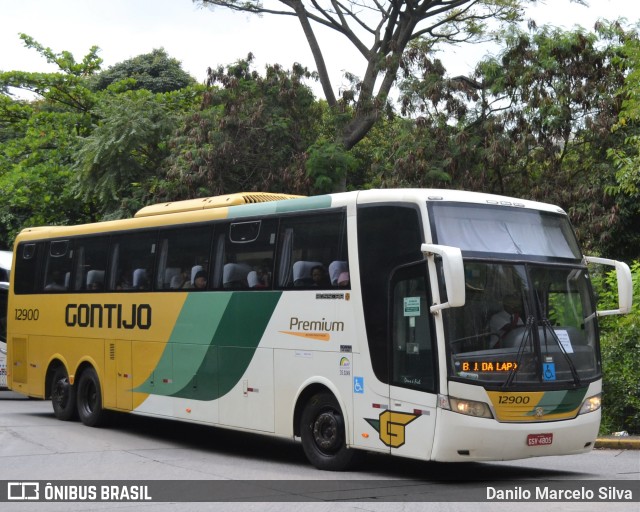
(462, 406)
(591, 404)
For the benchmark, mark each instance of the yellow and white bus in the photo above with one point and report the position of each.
(373, 320)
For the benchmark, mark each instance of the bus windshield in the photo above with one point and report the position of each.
(523, 324)
(478, 229)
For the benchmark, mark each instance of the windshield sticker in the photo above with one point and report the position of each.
(565, 341)
(412, 306)
(549, 371)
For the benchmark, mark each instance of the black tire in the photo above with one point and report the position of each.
(323, 434)
(63, 395)
(90, 408)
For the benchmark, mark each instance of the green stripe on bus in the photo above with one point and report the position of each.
(289, 205)
(212, 344)
(559, 402)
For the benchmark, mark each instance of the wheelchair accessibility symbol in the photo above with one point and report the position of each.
(548, 371)
(358, 385)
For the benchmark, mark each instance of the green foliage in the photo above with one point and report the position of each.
(627, 157)
(251, 133)
(126, 149)
(534, 121)
(104, 147)
(329, 163)
(65, 61)
(620, 346)
(35, 171)
(381, 32)
(155, 72)
(67, 89)
(38, 140)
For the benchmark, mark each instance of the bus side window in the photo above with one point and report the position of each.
(59, 266)
(183, 252)
(247, 259)
(28, 257)
(91, 263)
(313, 251)
(132, 261)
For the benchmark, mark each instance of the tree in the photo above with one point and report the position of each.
(35, 172)
(119, 163)
(620, 342)
(380, 32)
(66, 88)
(38, 139)
(534, 121)
(627, 158)
(155, 72)
(72, 141)
(250, 133)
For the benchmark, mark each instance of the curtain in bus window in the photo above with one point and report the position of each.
(504, 231)
(218, 260)
(284, 269)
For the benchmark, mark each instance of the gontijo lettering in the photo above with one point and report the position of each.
(110, 316)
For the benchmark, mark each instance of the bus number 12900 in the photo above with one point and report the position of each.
(27, 314)
(511, 399)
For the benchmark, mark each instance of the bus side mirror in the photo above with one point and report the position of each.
(625, 285)
(453, 269)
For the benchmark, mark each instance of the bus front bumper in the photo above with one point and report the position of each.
(464, 438)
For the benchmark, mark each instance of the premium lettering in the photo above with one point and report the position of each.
(109, 316)
(296, 324)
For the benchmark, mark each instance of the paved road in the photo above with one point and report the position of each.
(34, 446)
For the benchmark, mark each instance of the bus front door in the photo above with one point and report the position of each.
(410, 423)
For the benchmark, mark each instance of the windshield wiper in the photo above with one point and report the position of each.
(547, 326)
(526, 335)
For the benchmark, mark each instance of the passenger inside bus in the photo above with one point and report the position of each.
(303, 272)
(510, 317)
(343, 280)
(200, 280)
(336, 269)
(319, 277)
(140, 279)
(56, 282)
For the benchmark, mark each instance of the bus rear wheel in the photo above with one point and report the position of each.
(90, 399)
(323, 434)
(63, 395)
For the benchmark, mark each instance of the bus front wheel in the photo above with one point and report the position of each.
(323, 434)
(63, 395)
(90, 399)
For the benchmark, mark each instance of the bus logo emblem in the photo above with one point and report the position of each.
(391, 427)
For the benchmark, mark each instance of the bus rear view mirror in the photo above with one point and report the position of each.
(453, 271)
(625, 285)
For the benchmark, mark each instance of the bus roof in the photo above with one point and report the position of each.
(458, 196)
(212, 202)
(261, 203)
